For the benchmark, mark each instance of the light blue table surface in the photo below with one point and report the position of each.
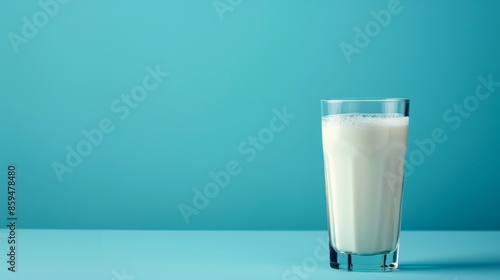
(127, 255)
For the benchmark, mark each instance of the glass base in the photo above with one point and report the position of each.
(350, 262)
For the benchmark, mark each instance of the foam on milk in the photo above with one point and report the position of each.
(356, 119)
(363, 205)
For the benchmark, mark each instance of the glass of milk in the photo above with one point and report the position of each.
(364, 148)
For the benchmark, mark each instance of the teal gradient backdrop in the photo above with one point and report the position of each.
(233, 68)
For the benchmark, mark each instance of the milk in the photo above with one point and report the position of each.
(364, 157)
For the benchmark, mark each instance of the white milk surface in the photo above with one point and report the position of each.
(364, 158)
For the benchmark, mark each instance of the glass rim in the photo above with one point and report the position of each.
(376, 99)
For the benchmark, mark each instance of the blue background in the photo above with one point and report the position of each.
(226, 77)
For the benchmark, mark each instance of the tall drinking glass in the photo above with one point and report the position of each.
(364, 147)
